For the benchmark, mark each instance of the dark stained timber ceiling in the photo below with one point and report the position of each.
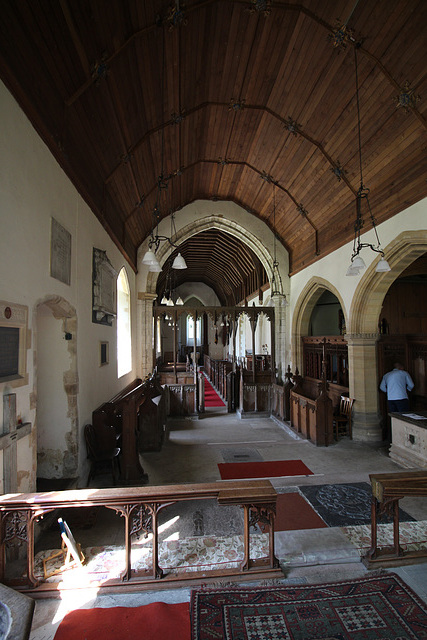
(220, 261)
(223, 97)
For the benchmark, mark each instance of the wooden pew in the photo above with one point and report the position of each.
(387, 490)
(126, 411)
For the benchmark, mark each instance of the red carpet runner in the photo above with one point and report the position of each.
(293, 513)
(212, 399)
(271, 469)
(156, 621)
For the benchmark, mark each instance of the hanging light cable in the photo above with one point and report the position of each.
(276, 281)
(150, 258)
(357, 263)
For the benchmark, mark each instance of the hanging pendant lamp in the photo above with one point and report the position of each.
(357, 264)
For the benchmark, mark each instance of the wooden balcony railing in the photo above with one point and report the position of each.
(139, 507)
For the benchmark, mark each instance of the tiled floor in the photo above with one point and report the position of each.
(191, 454)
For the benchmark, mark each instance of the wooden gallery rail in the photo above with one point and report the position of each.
(140, 508)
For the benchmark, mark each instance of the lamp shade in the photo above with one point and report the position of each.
(179, 262)
(352, 270)
(169, 302)
(359, 263)
(179, 301)
(382, 265)
(155, 267)
(149, 258)
(164, 300)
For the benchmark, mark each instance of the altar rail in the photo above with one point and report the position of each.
(139, 508)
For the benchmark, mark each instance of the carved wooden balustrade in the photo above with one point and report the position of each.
(140, 508)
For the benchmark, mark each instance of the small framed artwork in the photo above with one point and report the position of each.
(104, 355)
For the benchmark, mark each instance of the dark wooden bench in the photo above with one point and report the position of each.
(139, 421)
(387, 490)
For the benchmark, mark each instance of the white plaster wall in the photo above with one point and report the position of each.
(52, 420)
(200, 290)
(33, 188)
(334, 266)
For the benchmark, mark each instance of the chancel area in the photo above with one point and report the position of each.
(213, 248)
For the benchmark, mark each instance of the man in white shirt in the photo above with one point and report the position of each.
(396, 385)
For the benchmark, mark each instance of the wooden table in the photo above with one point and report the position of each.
(387, 490)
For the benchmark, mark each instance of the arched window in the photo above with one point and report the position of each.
(124, 340)
(190, 331)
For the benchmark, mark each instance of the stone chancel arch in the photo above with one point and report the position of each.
(227, 217)
(192, 220)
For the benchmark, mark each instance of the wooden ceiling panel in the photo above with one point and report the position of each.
(219, 260)
(125, 91)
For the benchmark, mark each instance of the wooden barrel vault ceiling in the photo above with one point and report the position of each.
(219, 260)
(223, 98)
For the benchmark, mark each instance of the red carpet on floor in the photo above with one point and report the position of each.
(212, 399)
(155, 621)
(293, 513)
(271, 469)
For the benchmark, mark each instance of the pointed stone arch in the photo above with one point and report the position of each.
(362, 333)
(229, 218)
(222, 223)
(306, 302)
(368, 298)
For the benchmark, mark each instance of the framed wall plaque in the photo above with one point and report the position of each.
(60, 252)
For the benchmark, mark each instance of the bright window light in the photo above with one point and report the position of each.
(124, 339)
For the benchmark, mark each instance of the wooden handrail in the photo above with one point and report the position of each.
(20, 512)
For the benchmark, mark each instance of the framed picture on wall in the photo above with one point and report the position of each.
(104, 283)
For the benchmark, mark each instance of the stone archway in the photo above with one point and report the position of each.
(231, 219)
(227, 226)
(306, 302)
(363, 334)
(58, 462)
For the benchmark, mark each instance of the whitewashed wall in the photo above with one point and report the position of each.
(33, 188)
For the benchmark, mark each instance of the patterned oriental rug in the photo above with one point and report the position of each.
(212, 399)
(344, 505)
(372, 608)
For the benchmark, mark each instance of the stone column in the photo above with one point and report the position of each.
(144, 329)
(363, 386)
(280, 338)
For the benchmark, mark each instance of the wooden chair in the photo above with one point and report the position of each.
(342, 421)
(102, 450)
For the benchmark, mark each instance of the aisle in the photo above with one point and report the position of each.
(212, 399)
